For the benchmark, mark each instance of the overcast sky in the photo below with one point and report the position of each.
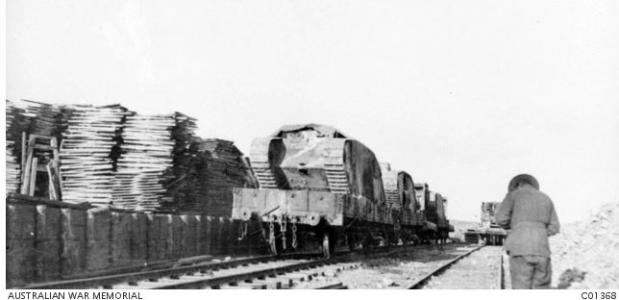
(461, 94)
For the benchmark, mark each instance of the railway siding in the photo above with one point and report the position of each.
(396, 271)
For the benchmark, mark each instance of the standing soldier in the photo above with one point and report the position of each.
(531, 218)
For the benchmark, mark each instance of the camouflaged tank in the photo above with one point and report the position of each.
(400, 195)
(434, 210)
(488, 232)
(310, 174)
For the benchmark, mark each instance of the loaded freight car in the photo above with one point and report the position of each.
(438, 215)
(436, 225)
(428, 229)
(315, 182)
(488, 232)
(401, 198)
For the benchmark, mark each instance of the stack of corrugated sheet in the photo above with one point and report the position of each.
(146, 154)
(16, 122)
(86, 163)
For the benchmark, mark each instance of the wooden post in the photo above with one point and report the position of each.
(20, 242)
(23, 153)
(56, 168)
(220, 236)
(50, 179)
(73, 240)
(48, 242)
(26, 171)
(98, 238)
(169, 241)
(32, 177)
(208, 235)
(139, 237)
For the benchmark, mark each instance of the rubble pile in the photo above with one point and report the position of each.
(588, 249)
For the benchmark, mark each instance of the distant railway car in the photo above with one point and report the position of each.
(488, 231)
(423, 194)
(401, 195)
(434, 210)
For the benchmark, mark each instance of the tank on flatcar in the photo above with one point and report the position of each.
(312, 175)
(401, 196)
(442, 223)
(488, 231)
(436, 225)
(316, 158)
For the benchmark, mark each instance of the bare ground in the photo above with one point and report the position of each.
(585, 255)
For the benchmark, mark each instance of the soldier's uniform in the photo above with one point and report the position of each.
(530, 217)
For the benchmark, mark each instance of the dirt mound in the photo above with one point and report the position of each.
(589, 249)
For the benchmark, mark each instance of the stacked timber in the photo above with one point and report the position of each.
(46, 119)
(87, 151)
(17, 123)
(223, 168)
(109, 155)
(146, 155)
(183, 177)
(206, 175)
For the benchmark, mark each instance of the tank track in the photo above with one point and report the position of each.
(393, 198)
(337, 178)
(266, 178)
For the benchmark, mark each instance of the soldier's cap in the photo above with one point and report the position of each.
(525, 178)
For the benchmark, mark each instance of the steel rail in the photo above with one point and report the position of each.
(108, 281)
(234, 279)
(424, 280)
(216, 282)
(131, 278)
(334, 286)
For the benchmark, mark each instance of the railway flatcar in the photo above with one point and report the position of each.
(401, 198)
(437, 214)
(316, 184)
(488, 232)
(434, 210)
(315, 179)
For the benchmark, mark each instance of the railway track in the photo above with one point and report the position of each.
(254, 272)
(109, 281)
(479, 268)
(455, 268)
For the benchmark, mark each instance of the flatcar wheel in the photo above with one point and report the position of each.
(326, 250)
(351, 241)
